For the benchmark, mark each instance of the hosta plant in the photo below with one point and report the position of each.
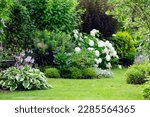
(26, 78)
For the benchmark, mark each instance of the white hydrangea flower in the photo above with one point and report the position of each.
(117, 56)
(107, 42)
(93, 32)
(75, 36)
(100, 60)
(91, 43)
(101, 43)
(91, 49)
(105, 51)
(75, 31)
(81, 39)
(108, 65)
(79, 44)
(77, 49)
(96, 65)
(97, 61)
(97, 53)
(108, 57)
(110, 45)
(114, 54)
(112, 49)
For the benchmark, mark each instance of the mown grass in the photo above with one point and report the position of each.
(114, 88)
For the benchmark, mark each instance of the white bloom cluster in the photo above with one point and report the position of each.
(103, 50)
(76, 34)
(94, 32)
(97, 53)
(90, 49)
(77, 49)
(98, 60)
(91, 42)
(105, 73)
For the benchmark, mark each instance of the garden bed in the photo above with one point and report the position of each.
(68, 89)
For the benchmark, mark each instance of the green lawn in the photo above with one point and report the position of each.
(94, 89)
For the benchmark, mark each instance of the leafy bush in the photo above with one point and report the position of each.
(74, 72)
(52, 73)
(48, 44)
(136, 74)
(125, 47)
(54, 14)
(95, 17)
(89, 73)
(82, 60)
(25, 79)
(5, 6)
(19, 28)
(146, 90)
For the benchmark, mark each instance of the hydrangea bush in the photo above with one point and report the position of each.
(105, 54)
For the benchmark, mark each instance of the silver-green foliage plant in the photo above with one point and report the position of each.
(25, 79)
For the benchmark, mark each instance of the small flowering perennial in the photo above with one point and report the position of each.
(104, 51)
(24, 59)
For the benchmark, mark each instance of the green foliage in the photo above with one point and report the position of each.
(135, 18)
(24, 79)
(49, 45)
(125, 47)
(5, 6)
(52, 73)
(62, 62)
(82, 59)
(146, 90)
(89, 73)
(19, 28)
(54, 14)
(136, 74)
(74, 72)
(95, 17)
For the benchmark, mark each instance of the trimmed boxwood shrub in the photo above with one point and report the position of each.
(52, 73)
(125, 47)
(89, 73)
(75, 73)
(136, 74)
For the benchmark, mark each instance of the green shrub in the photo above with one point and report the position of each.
(19, 28)
(48, 45)
(24, 79)
(125, 47)
(52, 73)
(95, 17)
(146, 90)
(83, 59)
(136, 74)
(75, 73)
(89, 73)
(54, 14)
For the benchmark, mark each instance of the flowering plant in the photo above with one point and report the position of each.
(24, 59)
(105, 54)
